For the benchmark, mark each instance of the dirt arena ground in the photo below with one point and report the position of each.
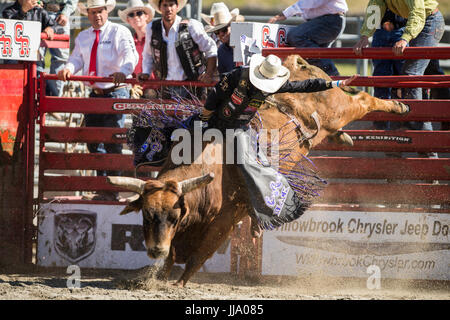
(33, 283)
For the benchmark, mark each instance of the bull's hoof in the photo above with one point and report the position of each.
(404, 108)
(343, 138)
(179, 284)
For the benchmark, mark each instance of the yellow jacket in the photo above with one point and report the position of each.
(416, 11)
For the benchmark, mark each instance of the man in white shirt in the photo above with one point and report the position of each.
(105, 49)
(325, 21)
(176, 49)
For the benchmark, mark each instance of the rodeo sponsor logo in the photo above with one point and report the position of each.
(402, 245)
(226, 112)
(75, 234)
(237, 97)
(396, 139)
(122, 106)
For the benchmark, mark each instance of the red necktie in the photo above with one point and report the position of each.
(93, 61)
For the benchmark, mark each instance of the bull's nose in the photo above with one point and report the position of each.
(157, 252)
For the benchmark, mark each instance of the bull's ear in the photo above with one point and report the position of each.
(135, 205)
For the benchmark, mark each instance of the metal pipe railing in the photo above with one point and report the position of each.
(155, 83)
(434, 81)
(367, 53)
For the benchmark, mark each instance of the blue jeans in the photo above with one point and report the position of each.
(430, 36)
(386, 67)
(107, 120)
(59, 58)
(319, 32)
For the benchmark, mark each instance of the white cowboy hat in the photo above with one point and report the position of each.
(109, 4)
(136, 5)
(266, 73)
(220, 16)
(155, 5)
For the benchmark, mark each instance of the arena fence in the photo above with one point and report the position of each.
(355, 180)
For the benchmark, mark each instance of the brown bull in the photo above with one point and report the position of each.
(334, 107)
(190, 210)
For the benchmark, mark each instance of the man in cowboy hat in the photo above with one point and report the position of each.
(219, 20)
(105, 49)
(175, 49)
(138, 15)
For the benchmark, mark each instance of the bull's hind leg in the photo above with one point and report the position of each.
(374, 104)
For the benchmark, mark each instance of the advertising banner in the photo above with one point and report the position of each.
(247, 37)
(346, 243)
(19, 40)
(96, 236)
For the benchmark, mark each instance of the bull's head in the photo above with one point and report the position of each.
(163, 208)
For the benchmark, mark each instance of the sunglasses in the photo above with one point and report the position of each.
(224, 30)
(137, 13)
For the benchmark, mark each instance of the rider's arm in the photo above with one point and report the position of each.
(314, 85)
(309, 85)
(223, 89)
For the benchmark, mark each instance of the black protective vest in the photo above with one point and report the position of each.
(240, 108)
(192, 59)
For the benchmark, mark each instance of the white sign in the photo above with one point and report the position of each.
(346, 243)
(264, 35)
(19, 40)
(96, 236)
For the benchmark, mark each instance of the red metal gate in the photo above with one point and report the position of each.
(17, 89)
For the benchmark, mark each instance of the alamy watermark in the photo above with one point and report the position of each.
(73, 281)
(240, 147)
(374, 280)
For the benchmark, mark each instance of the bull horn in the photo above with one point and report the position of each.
(190, 184)
(132, 184)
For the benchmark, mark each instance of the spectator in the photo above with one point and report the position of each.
(60, 11)
(424, 28)
(325, 21)
(176, 49)
(219, 20)
(105, 49)
(138, 15)
(30, 10)
(392, 27)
